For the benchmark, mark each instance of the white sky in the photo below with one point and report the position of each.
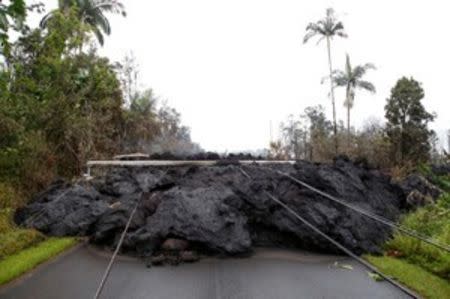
(230, 67)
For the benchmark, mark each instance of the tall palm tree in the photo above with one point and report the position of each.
(90, 12)
(327, 28)
(351, 79)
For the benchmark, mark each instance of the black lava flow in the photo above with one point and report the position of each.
(217, 210)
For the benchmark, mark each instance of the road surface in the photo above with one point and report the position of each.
(268, 274)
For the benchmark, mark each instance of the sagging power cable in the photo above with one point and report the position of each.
(364, 212)
(119, 244)
(334, 242)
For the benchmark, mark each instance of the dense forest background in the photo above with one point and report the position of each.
(61, 103)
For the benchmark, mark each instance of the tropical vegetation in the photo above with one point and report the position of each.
(328, 28)
(352, 80)
(407, 127)
(61, 103)
(89, 12)
(419, 265)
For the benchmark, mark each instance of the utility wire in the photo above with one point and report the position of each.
(364, 212)
(335, 243)
(119, 245)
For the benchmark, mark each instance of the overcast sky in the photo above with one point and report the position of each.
(232, 67)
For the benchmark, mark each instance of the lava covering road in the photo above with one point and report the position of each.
(218, 210)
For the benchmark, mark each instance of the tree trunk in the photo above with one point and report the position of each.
(348, 127)
(332, 96)
(348, 105)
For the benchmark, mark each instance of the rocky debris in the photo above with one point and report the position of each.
(174, 245)
(417, 199)
(172, 258)
(218, 209)
(156, 260)
(173, 252)
(419, 191)
(189, 257)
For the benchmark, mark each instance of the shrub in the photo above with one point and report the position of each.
(433, 221)
(5, 221)
(9, 197)
(16, 240)
(13, 239)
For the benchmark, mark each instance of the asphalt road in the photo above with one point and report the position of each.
(268, 274)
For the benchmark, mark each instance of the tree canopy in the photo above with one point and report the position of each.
(352, 79)
(60, 106)
(89, 12)
(407, 127)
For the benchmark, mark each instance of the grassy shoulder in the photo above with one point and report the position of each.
(15, 265)
(413, 276)
(23, 249)
(12, 238)
(432, 221)
(420, 266)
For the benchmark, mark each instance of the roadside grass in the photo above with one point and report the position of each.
(23, 249)
(413, 276)
(14, 239)
(433, 221)
(15, 265)
(420, 266)
(19, 239)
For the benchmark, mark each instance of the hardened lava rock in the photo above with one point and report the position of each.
(219, 209)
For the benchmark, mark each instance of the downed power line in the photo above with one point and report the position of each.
(364, 212)
(334, 242)
(119, 244)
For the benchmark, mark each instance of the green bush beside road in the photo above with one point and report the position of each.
(433, 221)
(419, 265)
(14, 239)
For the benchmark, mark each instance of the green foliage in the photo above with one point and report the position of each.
(15, 265)
(407, 127)
(433, 221)
(141, 123)
(442, 182)
(416, 278)
(60, 105)
(90, 13)
(352, 79)
(328, 28)
(369, 144)
(13, 239)
(8, 197)
(11, 15)
(305, 137)
(23, 249)
(5, 221)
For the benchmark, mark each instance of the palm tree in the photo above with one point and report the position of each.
(351, 79)
(327, 28)
(90, 12)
